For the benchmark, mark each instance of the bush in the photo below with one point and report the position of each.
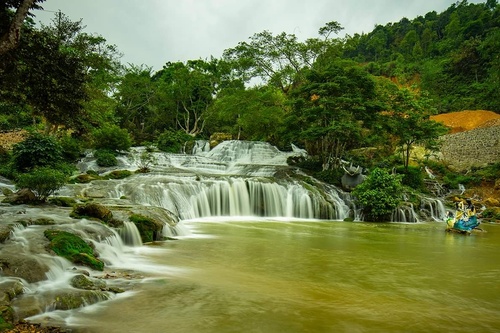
(173, 142)
(36, 151)
(412, 177)
(112, 138)
(42, 182)
(378, 194)
(105, 158)
(71, 148)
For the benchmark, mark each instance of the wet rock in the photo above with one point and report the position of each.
(7, 313)
(7, 191)
(23, 266)
(23, 196)
(81, 281)
(78, 298)
(92, 210)
(9, 289)
(5, 232)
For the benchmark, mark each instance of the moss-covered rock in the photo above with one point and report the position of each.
(63, 201)
(149, 228)
(73, 248)
(6, 318)
(78, 298)
(81, 281)
(118, 174)
(23, 196)
(92, 210)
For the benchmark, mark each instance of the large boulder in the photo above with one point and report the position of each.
(23, 266)
(23, 196)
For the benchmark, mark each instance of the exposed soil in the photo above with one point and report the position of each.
(467, 120)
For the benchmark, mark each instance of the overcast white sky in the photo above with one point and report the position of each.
(153, 32)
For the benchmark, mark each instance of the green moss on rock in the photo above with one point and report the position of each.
(149, 229)
(63, 201)
(73, 248)
(92, 210)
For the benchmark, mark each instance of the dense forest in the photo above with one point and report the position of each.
(334, 96)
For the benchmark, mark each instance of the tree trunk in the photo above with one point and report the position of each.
(11, 38)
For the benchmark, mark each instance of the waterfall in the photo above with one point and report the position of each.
(190, 198)
(130, 234)
(434, 208)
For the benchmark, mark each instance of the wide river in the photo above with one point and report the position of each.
(305, 276)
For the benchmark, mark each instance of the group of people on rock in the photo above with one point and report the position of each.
(465, 209)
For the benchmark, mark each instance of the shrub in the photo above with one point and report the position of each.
(36, 151)
(42, 182)
(378, 194)
(105, 158)
(112, 138)
(71, 148)
(412, 177)
(173, 142)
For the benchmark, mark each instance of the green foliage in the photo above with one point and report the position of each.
(42, 181)
(105, 158)
(112, 138)
(451, 180)
(147, 159)
(332, 176)
(490, 172)
(412, 177)
(73, 248)
(173, 142)
(14, 116)
(36, 151)
(378, 194)
(4, 325)
(71, 148)
(491, 213)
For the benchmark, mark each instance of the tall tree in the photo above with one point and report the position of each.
(408, 119)
(10, 26)
(279, 60)
(330, 109)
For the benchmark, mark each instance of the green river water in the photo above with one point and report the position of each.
(304, 276)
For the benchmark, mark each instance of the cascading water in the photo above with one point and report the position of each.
(237, 178)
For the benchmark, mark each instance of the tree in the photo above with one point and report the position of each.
(330, 110)
(278, 60)
(191, 88)
(10, 28)
(408, 119)
(378, 195)
(42, 181)
(249, 114)
(37, 150)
